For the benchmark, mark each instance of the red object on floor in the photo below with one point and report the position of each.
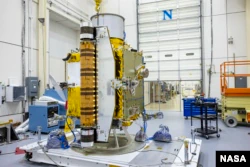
(66, 105)
(19, 151)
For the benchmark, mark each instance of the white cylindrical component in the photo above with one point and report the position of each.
(23, 124)
(193, 134)
(25, 128)
(114, 22)
(47, 98)
(186, 143)
(87, 138)
(21, 128)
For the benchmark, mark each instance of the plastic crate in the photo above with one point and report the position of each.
(196, 110)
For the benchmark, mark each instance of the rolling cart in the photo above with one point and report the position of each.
(204, 117)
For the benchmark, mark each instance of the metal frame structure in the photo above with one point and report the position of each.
(68, 157)
(224, 75)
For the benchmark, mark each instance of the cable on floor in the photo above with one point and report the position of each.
(7, 153)
(162, 160)
(47, 155)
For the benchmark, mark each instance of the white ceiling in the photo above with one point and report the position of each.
(64, 21)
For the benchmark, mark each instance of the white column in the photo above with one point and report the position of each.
(248, 34)
(42, 45)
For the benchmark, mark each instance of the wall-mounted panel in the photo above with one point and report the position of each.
(236, 6)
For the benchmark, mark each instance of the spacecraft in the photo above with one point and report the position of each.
(110, 88)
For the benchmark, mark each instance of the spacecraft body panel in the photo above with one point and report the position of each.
(133, 103)
(106, 94)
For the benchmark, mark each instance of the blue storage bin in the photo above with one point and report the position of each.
(196, 110)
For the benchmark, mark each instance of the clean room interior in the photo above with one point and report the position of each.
(124, 83)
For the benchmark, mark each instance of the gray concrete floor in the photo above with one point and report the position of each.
(231, 139)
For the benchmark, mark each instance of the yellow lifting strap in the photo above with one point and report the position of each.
(74, 57)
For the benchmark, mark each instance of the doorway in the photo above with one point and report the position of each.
(168, 95)
(162, 96)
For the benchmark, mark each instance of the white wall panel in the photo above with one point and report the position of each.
(147, 1)
(62, 41)
(190, 65)
(153, 76)
(34, 28)
(167, 25)
(170, 25)
(206, 36)
(61, 37)
(190, 43)
(130, 17)
(11, 19)
(149, 37)
(168, 35)
(169, 65)
(206, 7)
(219, 36)
(189, 12)
(190, 75)
(150, 7)
(108, 8)
(215, 78)
(166, 5)
(131, 35)
(189, 23)
(189, 33)
(163, 5)
(237, 30)
(10, 67)
(168, 45)
(236, 5)
(152, 17)
(219, 7)
(149, 47)
(169, 75)
(57, 69)
(153, 66)
(85, 5)
(188, 3)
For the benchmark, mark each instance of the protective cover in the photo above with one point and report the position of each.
(163, 134)
(141, 136)
(57, 139)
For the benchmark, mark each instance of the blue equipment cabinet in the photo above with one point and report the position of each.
(62, 111)
(196, 110)
(42, 116)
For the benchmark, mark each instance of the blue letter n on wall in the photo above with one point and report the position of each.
(169, 14)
